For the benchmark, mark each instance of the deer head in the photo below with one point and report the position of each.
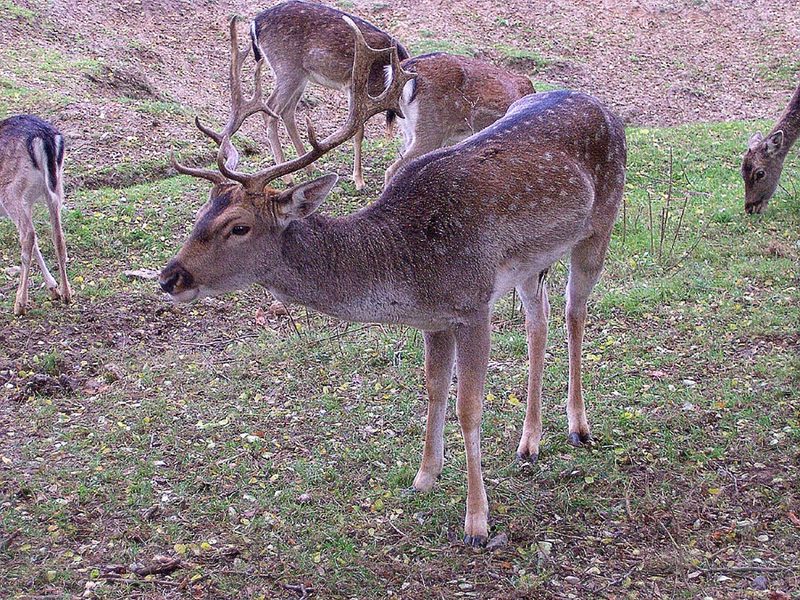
(236, 233)
(761, 169)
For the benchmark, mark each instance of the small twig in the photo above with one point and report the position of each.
(293, 322)
(619, 579)
(222, 340)
(299, 589)
(344, 333)
(393, 526)
(628, 510)
(669, 534)
(132, 581)
(247, 574)
(678, 227)
(650, 217)
(692, 247)
(748, 569)
(665, 210)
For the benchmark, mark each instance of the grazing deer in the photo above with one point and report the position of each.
(305, 42)
(763, 162)
(32, 170)
(451, 98)
(451, 234)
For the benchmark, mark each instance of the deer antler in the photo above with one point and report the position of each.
(362, 107)
(212, 176)
(241, 107)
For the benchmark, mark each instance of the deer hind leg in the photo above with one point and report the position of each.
(358, 174)
(27, 242)
(283, 101)
(290, 122)
(586, 264)
(54, 202)
(537, 312)
(439, 359)
(49, 281)
(472, 357)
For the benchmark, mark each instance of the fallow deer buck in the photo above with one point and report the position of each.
(32, 170)
(451, 98)
(303, 42)
(452, 233)
(763, 162)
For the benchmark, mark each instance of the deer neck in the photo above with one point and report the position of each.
(789, 122)
(341, 266)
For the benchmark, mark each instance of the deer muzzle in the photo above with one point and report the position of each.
(175, 280)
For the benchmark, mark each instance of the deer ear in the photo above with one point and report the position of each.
(755, 140)
(301, 200)
(774, 143)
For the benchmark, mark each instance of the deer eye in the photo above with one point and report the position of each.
(240, 230)
(759, 174)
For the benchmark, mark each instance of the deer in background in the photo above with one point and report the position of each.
(32, 170)
(450, 234)
(763, 161)
(305, 42)
(451, 98)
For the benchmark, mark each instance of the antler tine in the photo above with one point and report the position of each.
(241, 107)
(208, 131)
(211, 176)
(394, 90)
(363, 59)
(362, 107)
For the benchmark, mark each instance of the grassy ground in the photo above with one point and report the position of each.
(269, 452)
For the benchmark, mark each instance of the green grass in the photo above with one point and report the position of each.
(12, 10)
(782, 69)
(517, 55)
(430, 42)
(294, 443)
(158, 108)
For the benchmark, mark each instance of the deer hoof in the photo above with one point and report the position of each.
(526, 458)
(579, 439)
(476, 541)
(54, 294)
(66, 295)
(19, 309)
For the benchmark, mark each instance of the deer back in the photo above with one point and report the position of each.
(312, 39)
(31, 156)
(530, 185)
(454, 96)
(463, 225)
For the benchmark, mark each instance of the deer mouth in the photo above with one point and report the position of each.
(755, 208)
(186, 296)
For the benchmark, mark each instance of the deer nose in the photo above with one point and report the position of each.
(169, 284)
(174, 275)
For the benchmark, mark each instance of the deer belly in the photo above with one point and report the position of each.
(510, 276)
(320, 79)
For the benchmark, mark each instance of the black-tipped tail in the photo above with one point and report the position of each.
(34, 128)
(257, 54)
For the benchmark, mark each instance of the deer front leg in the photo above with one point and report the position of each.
(472, 352)
(439, 358)
(358, 175)
(537, 312)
